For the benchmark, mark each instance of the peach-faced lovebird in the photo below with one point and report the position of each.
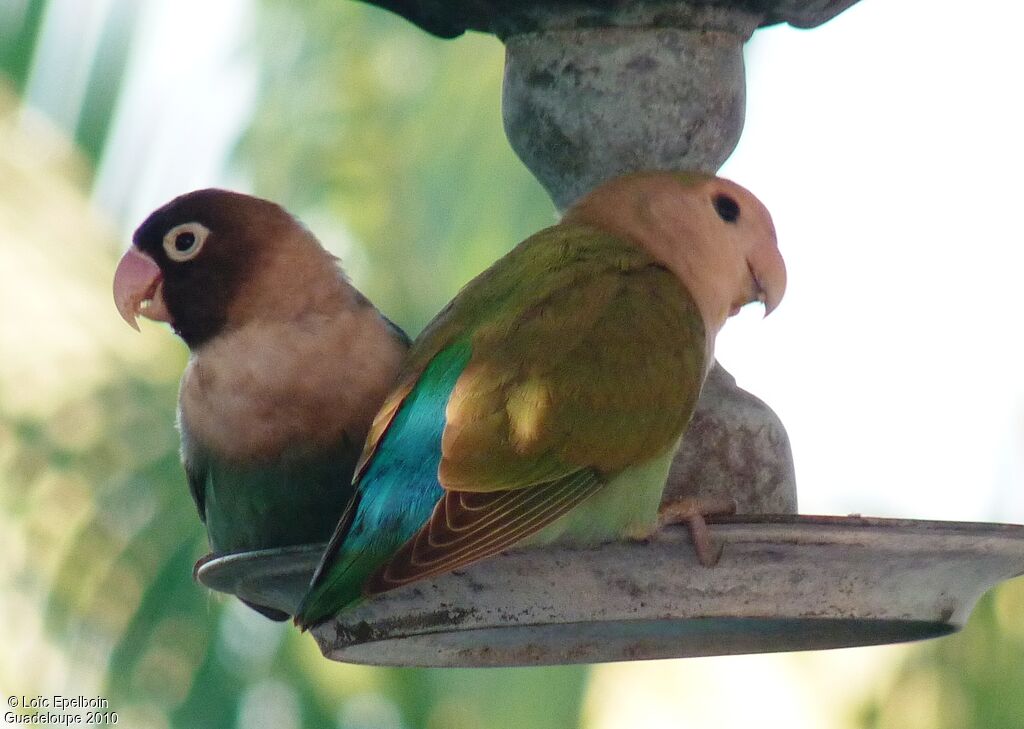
(288, 364)
(545, 402)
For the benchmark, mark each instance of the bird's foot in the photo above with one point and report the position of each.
(691, 512)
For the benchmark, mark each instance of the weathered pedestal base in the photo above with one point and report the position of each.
(736, 447)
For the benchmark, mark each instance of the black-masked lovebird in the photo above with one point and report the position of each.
(288, 364)
(545, 402)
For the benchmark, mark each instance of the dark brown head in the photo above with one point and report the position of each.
(190, 259)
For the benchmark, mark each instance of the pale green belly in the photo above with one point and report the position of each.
(625, 508)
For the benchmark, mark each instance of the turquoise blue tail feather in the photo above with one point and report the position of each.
(396, 493)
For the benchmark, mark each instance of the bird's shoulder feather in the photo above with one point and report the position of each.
(598, 364)
(550, 312)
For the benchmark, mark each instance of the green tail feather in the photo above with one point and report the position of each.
(342, 589)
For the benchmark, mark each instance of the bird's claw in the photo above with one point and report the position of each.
(691, 512)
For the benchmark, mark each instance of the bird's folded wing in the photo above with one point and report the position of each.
(584, 353)
(600, 370)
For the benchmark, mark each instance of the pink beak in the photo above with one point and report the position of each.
(775, 283)
(770, 273)
(138, 289)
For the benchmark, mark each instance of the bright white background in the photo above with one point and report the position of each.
(888, 144)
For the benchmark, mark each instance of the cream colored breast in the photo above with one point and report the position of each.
(274, 386)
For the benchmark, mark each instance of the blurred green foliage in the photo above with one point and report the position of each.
(397, 137)
(971, 680)
(107, 72)
(388, 143)
(20, 21)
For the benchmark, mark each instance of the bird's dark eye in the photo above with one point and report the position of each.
(727, 208)
(183, 242)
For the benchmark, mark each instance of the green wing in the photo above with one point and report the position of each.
(595, 362)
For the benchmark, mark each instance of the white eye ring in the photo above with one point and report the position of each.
(183, 242)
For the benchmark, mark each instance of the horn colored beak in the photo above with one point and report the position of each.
(770, 273)
(138, 289)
